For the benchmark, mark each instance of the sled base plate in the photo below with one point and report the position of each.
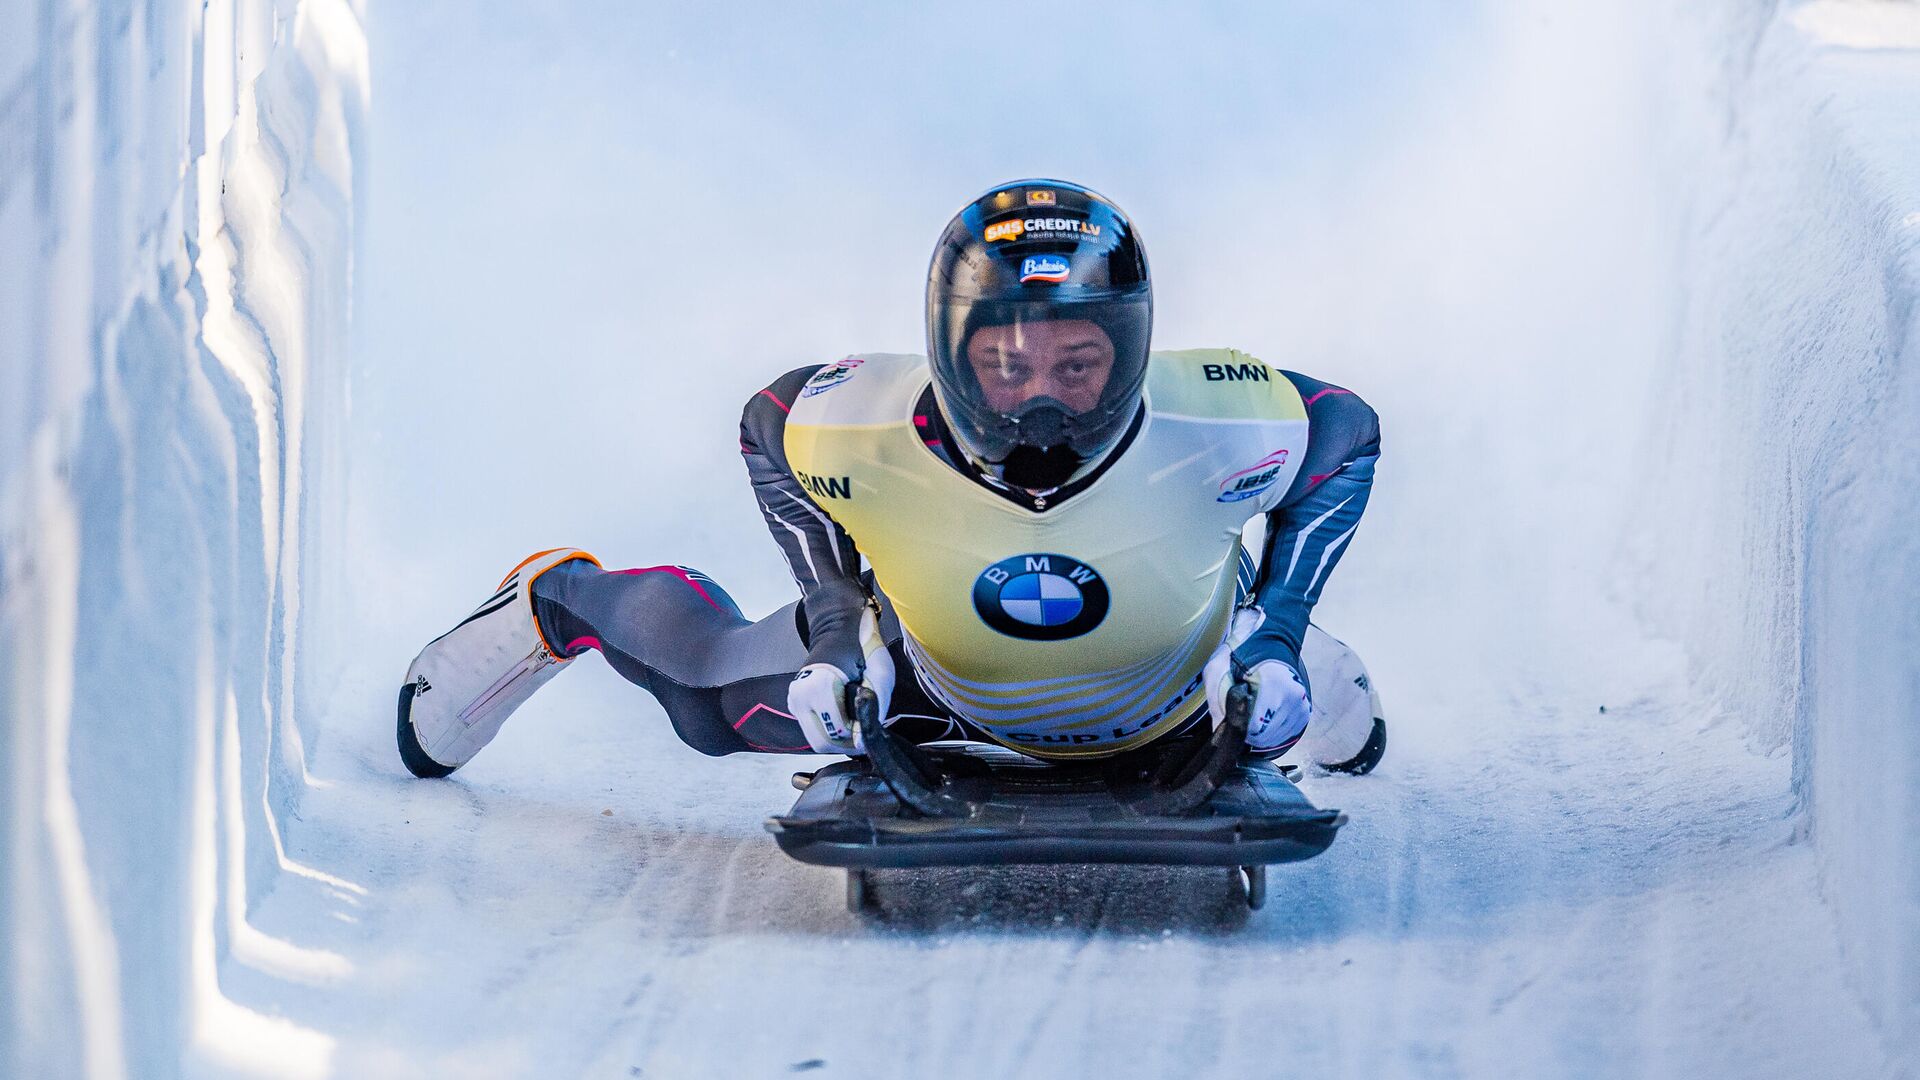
(1022, 812)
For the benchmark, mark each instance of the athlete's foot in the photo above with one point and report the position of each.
(467, 681)
(1363, 762)
(1347, 733)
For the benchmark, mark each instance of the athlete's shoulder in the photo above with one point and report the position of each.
(1219, 384)
(864, 389)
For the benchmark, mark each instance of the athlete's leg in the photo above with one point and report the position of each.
(721, 678)
(675, 633)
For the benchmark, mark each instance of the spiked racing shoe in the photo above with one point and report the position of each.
(467, 681)
(1348, 733)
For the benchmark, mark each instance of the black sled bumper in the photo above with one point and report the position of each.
(848, 817)
(1195, 804)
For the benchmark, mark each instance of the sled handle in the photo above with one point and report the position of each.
(917, 782)
(1184, 784)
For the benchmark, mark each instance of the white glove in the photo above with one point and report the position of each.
(819, 697)
(1281, 708)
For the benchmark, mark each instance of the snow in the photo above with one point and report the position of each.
(1794, 382)
(176, 207)
(1637, 308)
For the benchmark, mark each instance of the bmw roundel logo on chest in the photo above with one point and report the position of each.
(1041, 597)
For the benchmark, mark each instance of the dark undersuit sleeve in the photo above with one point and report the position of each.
(819, 552)
(1309, 529)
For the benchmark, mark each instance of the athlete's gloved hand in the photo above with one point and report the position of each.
(1281, 707)
(820, 697)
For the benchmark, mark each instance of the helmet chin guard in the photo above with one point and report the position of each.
(1039, 251)
(1040, 470)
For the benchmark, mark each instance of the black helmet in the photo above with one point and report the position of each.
(1026, 253)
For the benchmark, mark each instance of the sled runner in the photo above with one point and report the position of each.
(1193, 802)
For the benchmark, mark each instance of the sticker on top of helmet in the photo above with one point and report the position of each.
(831, 376)
(1005, 230)
(1041, 597)
(1062, 225)
(1051, 268)
(1040, 198)
(1253, 479)
(1050, 227)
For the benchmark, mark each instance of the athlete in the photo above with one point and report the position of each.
(1076, 547)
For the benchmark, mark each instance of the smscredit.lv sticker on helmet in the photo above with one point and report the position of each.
(1040, 228)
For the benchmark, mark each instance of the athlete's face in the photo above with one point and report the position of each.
(1064, 359)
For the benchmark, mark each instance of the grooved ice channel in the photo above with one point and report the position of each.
(1572, 863)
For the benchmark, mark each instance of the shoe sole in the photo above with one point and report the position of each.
(412, 754)
(1362, 763)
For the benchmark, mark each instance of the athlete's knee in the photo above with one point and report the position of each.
(556, 607)
(741, 717)
(562, 580)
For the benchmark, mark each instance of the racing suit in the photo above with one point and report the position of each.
(1068, 623)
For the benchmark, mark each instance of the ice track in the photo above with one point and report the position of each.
(1530, 888)
(1571, 864)
(1632, 285)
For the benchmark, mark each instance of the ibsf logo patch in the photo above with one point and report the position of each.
(831, 376)
(1040, 198)
(1051, 268)
(1041, 597)
(1253, 479)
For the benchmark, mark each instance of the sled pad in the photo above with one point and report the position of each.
(998, 807)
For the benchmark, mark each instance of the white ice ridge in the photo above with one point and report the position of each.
(1783, 535)
(182, 176)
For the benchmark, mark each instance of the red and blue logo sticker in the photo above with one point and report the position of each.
(1253, 479)
(1048, 268)
(831, 376)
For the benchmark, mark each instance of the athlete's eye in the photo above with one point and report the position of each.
(1013, 373)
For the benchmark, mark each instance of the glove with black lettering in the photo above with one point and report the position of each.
(820, 697)
(1281, 705)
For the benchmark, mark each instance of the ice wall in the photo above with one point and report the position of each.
(1781, 531)
(176, 209)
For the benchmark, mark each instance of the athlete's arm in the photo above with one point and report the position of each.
(819, 553)
(1309, 528)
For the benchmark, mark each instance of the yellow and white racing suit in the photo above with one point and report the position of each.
(1078, 628)
(1070, 624)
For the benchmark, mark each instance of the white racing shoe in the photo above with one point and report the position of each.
(467, 681)
(1348, 733)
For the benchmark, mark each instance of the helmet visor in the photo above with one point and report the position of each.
(1040, 373)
